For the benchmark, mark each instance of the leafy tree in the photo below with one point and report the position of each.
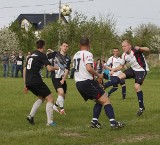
(8, 40)
(26, 38)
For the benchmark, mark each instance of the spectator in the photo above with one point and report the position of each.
(20, 61)
(5, 62)
(29, 54)
(13, 64)
(99, 66)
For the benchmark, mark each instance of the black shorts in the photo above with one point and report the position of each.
(39, 89)
(57, 84)
(139, 76)
(89, 89)
(122, 82)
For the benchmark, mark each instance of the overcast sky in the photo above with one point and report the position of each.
(126, 12)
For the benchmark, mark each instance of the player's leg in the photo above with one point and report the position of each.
(96, 113)
(115, 80)
(49, 111)
(60, 99)
(123, 84)
(34, 109)
(139, 78)
(105, 101)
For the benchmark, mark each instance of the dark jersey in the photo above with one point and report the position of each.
(33, 66)
(59, 60)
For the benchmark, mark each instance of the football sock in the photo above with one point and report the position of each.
(49, 112)
(140, 99)
(112, 90)
(56, 104)
(124, 92)
(110, 113)
(96, 111)
(114, 81)
(35, 107)
(60, 101)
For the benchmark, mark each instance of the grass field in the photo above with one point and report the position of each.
(73, 129)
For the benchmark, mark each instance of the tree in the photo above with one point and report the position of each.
(26, 38)
(155, 44)
(8, 40)
(144, 33)
(102, 33)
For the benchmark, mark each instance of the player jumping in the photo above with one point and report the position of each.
(138, 70)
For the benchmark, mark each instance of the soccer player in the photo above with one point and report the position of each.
(89, 88)
(62, 60)
(34, 83)
(138, 70)
(113, 62)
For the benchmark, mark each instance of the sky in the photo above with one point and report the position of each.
(126, 12)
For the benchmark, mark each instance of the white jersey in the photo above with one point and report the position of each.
(136, 60)
(114, 62)
(81, 59)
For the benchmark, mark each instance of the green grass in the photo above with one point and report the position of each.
(73, 129)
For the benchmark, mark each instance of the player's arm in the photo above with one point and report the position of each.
(92, 71)
(66, 72)
(118, 68)
(142, 49)
(51, 68)
(24, 79)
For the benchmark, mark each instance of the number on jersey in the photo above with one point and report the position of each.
(77, 64)
(29, 64)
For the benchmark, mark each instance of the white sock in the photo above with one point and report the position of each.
(49, 112)
(35, 107)
(60, 101)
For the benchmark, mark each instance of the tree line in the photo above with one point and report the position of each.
(101, 32)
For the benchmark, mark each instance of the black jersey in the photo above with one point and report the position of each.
(33, 66)
(63, 62)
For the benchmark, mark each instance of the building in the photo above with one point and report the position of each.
(38, 21)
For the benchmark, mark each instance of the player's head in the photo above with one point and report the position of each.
(40, 44)
(84, 44)
(116, 52)
(126, 46)
(64, 47)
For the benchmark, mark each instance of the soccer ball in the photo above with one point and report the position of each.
(66, 10)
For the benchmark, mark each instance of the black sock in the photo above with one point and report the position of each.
(96, 111)
(112, 90)
(124, 92)
(56, 104)
(114, 81)
(110, 113)
(140, 99)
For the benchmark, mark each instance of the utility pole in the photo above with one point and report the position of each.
(59, 35)
(44, 19)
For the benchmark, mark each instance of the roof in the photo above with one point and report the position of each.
(38, 19)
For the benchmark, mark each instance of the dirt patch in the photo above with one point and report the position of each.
(136, 138)
(72, 134)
